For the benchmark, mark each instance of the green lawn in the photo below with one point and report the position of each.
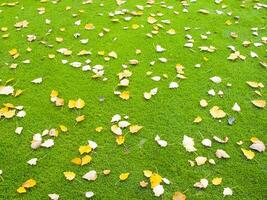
(170, 113)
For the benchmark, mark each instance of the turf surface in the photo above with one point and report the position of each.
(169, 114)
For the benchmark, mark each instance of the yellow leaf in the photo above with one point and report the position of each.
(76, 161)
(259, 103)
(135, 26)
(72, 104)
(155, 179)
(80, 103)
(9, 114)
(80, 118)
(124, 176)
(54, 93)
(69, 175)
(179, 196)
(85, 149)
(147, 173)
(248, 153)
(120, 139)
(217, 181)
(89, 26)
(254, 139)
(86, 159)
(198, 119)
(29, 183)
(135, 128)
(99, 129)
(18, 92)
(106, 172)
(13, 52)
(21, 190)
(63, 128)
(125, 95)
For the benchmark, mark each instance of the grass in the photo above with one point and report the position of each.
(170, 113)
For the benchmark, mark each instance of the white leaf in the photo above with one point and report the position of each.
(6, 90)
(216, 79)
(203, 183)
(90, 176)
(48, 143)
(158, 190)
(236, 107)
(258, 146)
(211, 92)
(160, 142)
(116, 118)
(160, 49)
(173, 85)
(154, 91)
(21, 114)
(189, 143)
(124, 124)
(53, 196)
(163, 60)
(37, 80)
(19, 130)
(221, 154)
(156, 78)
(89, 194)
(32, 161)
(206, 142)
(92, 144)
(200, 160)
(253, 55)
(227, 192)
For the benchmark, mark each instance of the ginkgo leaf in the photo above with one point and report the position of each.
(86, 159)
(217, 113)
(29, 183)
(125, 95)
(155, 179)
(21, 190)
(80, 103)
(217, 181)
(178, 196)
(158, 190)
(248, 153)
(227, 192)
(85, 149)
(259, 103)
(124, 176)
(76, 161)
(37, 80)
(135, 128)
(120, 139)
(69, 175)
(115, 129)
(53, 196)
(143, 184)
(147, 173)
(200, 160)
(203, 183)
(257, 145)
(80, 118)
(221, 154)
(90, 176)
(63, 128)
(189, 143)
(89, 194)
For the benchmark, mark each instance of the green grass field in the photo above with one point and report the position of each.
(170, 113)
